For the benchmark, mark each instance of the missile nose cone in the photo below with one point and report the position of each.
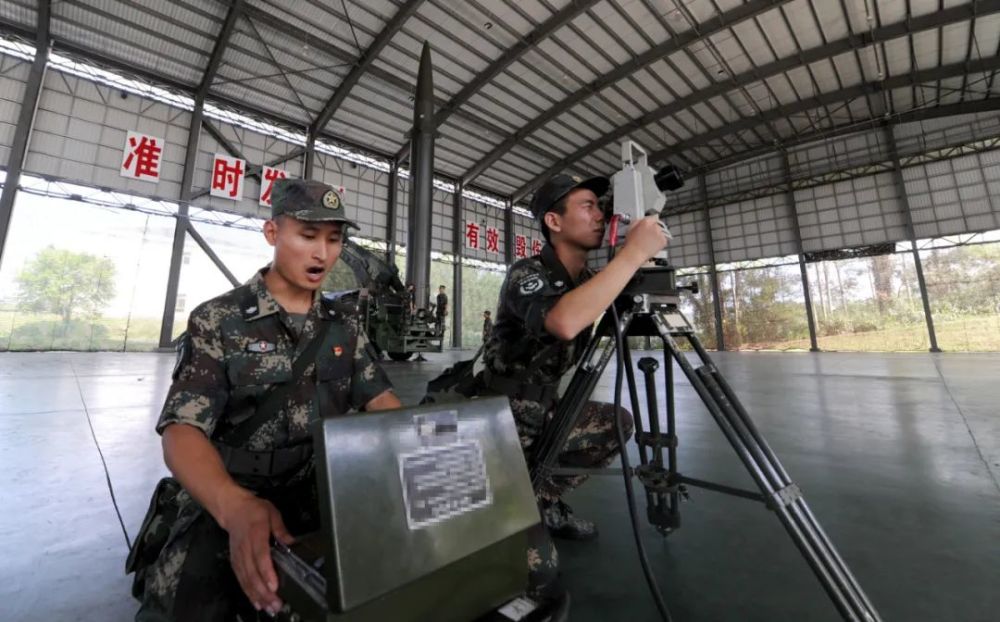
(423, 108)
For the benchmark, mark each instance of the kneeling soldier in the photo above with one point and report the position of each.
(257, 366)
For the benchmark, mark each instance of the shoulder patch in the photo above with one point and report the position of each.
(530, 285)
(183, 355)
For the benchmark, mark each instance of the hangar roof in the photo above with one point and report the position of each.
(526, 88)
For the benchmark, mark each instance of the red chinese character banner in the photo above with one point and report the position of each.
(227, 177)
(142, 156)
(267, 178)
(472, 235)
(520, 246)
(492, 240)
(536, 247)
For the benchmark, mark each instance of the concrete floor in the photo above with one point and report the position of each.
(898, 455)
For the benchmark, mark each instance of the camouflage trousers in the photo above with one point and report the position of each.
(192, 578)
(593, 442)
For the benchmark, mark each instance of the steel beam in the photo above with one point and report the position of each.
(513, 53)
(897, 175)
(25, 121)
(456, 250)
(219, 49)
(390, 218)
(943, 72)
(231, 149)
(383, 75)
(211, 254)
(127, 69)
(242, 107)
(945, 152)
(710, 27)
(254, 170)
(720, 339)
(991, 104)
(364, 62)
(194, 134)
(794, 215)
(833, 48)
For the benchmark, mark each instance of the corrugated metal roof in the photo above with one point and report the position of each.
(536, 86)
(18, 12)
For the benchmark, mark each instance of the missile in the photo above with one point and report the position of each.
(418, 236)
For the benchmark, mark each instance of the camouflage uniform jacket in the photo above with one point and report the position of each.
(242, 343)
(533, 286)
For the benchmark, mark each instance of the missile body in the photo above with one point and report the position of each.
(418, 236)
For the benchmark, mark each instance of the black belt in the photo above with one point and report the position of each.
(514, 389)
(273, 463)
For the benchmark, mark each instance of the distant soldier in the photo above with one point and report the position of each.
(411, 297)
(441, 309)
(487, 326)
(256, 367)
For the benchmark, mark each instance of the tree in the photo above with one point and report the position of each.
(882, 281)
(65, 283)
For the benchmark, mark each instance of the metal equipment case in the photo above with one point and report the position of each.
(424, 514)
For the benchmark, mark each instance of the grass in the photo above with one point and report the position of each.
(26, 331)
(969, 334)
(30, 331)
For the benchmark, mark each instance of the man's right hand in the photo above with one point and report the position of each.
(646, 238)
(251, 522)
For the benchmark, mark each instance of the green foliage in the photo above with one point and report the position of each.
(59, 335)
(762, 308)
(340, 278)
(699, 309)
(963, 281)
(66, 283)
(480, 291)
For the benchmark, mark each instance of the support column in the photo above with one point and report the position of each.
(720, 341)
(25, 121)
(310, 165)
(181, 226)
(897, 175)
(456, 249)
(390, 218)
(794, 215)
(508, 229)
(187, 192)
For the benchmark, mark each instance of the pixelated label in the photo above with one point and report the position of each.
(518, 608)
(443, 482)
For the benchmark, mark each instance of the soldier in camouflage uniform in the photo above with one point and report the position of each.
(548, 305)
(203, 552)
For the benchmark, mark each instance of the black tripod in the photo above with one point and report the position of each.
(649, 307)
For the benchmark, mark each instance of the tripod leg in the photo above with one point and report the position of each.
(634, 400)
(668, 376)
(785, 499)
(633, 394)
(785, 495)
(666, 514)
(595, 359)
(803, 509)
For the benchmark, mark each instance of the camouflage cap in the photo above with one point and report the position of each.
(308, 200)
(558, 186)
